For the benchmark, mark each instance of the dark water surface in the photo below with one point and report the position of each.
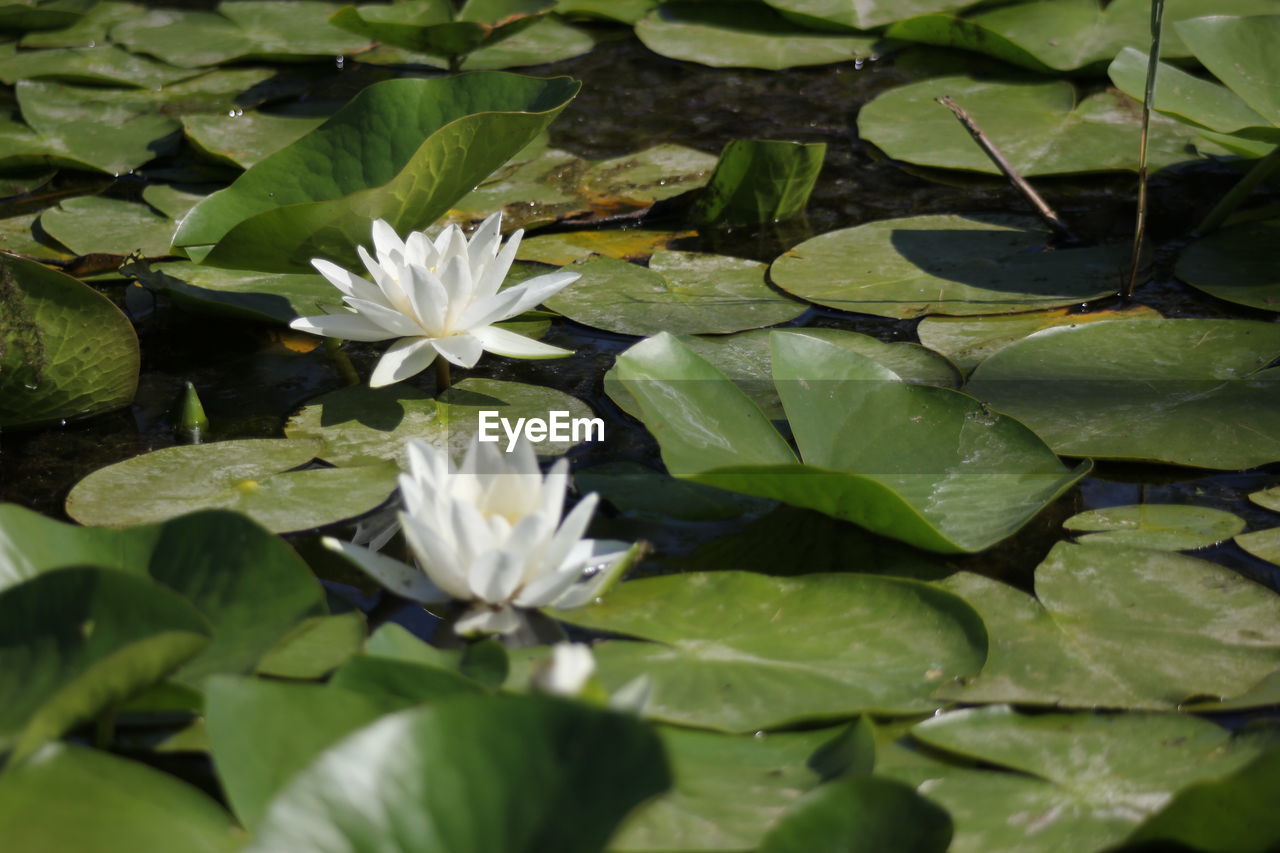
(250, 380)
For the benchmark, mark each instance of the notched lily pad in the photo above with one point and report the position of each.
(92, 224)
(245, 138)
(252, 476)
(100, 65)
(1167, 527)
(1263, 544)
(945, 264)
(625, 244)
(680, 292)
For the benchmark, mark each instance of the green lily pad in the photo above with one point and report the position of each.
(680, 292)
(277, 30)
(747, 359)
(1039, 127)
(928, 466)
(728, 790)
(535, 774)
(263, 732)
(246, 138)
(69, 797)
(111, 130)
(861, 816)
(1239, 51)
(1238, 264)
(92, 224)
(16, 238)
(966, 341)
(1062, 781)
(89, 29)
(41, 14)
(1230, 812)
(759, 181)
(619, 11)
(945, 265)
(315, 647)
(738, 651)
(861, 14)
(409, 172)
(253, 589)
(360, 425)
(1267, 498)
(623, 243)
(1185, 392)
(251, 476)
(242, 294)
(547, 40)
(65, 350)
(433, 27)
(1121, 627)
(1066, 35)
(102, 65)
(1167, 527)
(743, 35)
(74, 642)
(637, 490)
(1263, 544)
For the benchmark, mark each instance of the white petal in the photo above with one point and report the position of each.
(388, 318)
(483, 619)
(456, 277)
(546, 590)
(406, 357)
(352, 327)
(483, 244)
(615, 557)
(428, 298)
(436, 557)
(508, 343)
(394, 575)
(386, 278)
(571, 530)
(349, 283)
(537, 290)
(495, 272)
(385, 239)
(463, 350)
(567, 672)
(482, 312)
(418, 250)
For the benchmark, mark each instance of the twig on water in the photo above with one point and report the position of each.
(1140, 226)
(989, 148)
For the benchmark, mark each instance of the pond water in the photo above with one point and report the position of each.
(251, 378)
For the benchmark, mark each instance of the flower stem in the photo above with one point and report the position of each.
(1259, 173)
(442, 374)
(1140, 224)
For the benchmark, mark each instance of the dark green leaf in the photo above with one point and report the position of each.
(761, 181)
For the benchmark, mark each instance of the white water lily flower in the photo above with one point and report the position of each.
(490, 532)
(568, 670)
(439, 298)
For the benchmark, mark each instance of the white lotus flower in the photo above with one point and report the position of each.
(490, 532)
(438, 298)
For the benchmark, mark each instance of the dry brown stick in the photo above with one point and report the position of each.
(1019, 183)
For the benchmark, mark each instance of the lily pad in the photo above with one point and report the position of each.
(1182, 391)
(966, 341)
(87, 30)
(1263, 544)
(680, 292)
(315, 647)
(278, 30)
(246, 138)
(747, 359)
(65, 350)
(251, 476)
(424, 157)
(17, 238)
(738, 651)
(360, 425)
(861, 815)
(945, 264)
(1238, 51)
(637, 490)
(1167, 527)
(433, 27)
(1061, 781)
(1121, 627)
(92, 224)
(623, 243)
(620, 11)
(264, 732)
(1066, 35)
(41, 14)
(1267, 498)
(102, 65)
(761, 180)
(862, 14)
(1039, 127)
(546, 40)
(536, 774)
(74, 642)
(242, 294)
(68, 797)
(929, 466)
(744, 35)
(1238, 264)
(728, 790)
(635, 181)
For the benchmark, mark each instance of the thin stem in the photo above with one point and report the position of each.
(104, 729)
(455, 63)
(1261, 170)
(442, 374)
(1140, 226)
(1002, 163)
